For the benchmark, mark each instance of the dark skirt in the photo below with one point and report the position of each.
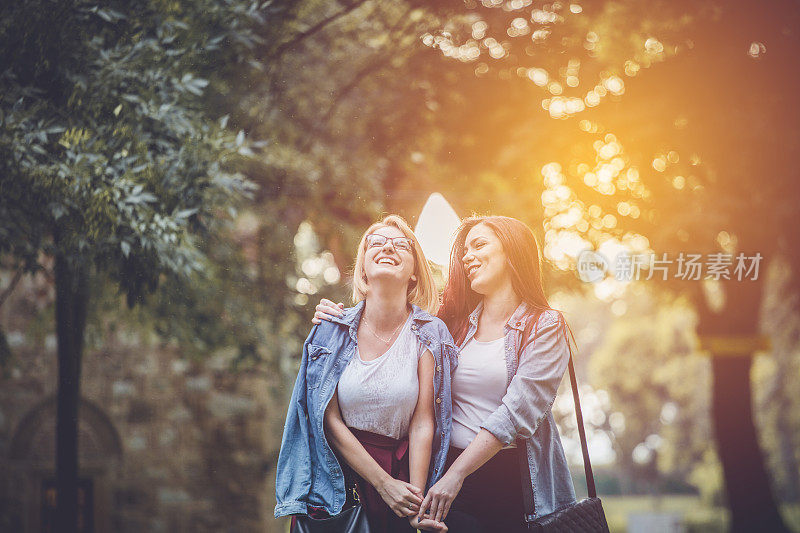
(491, 498)
(392, 455)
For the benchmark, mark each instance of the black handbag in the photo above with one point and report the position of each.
(351, 520)
(585, 516)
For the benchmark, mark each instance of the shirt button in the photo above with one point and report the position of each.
(438, 368)
(413, 326)
(439, 400)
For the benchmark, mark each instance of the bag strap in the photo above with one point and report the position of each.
(587, 464)
(522, 450)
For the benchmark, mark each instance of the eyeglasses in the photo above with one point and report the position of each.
(375, 240)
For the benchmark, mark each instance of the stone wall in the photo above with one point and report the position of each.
(197, 441)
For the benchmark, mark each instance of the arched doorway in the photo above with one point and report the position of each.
(31, 462)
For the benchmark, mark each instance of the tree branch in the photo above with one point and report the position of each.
(297, 39)
(8, 290)
(362, 74)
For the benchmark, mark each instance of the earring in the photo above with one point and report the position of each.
(413, 277)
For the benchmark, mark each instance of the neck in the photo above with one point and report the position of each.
(386, 307)
(500, 304)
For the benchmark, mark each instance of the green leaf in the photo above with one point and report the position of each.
(109, 15)
(186, 213)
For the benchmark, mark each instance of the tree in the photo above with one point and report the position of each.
(109, 162)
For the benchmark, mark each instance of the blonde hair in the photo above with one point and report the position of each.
(422, 292)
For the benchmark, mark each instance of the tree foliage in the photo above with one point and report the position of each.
(108, 156)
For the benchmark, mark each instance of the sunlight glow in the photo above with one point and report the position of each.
(653, 46)
(615, 85)
(538, 76)
(756, 49)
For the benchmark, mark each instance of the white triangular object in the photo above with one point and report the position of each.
(436, 229)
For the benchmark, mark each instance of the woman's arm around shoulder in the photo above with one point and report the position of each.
(325, 309)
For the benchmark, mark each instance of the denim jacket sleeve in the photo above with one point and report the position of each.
(531, 392)
(293, 476)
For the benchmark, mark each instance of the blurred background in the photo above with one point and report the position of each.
(181, 181)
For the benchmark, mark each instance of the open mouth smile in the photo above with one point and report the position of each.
(471, 270)
(387, 261)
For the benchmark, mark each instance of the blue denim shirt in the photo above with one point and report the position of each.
(308, 471)
(525, 410)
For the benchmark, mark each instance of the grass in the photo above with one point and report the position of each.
(697, 516)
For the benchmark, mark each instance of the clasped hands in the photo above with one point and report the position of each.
(426, 513)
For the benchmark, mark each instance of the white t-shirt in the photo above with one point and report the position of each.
(479, 384)
(380, 395)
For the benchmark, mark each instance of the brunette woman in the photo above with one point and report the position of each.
(373, 393)
(513, 354)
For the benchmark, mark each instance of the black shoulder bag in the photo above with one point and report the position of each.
(351, 520)
(586, 515)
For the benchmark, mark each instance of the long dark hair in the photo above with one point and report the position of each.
(524, 262)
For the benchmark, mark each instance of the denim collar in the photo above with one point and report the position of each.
(518, 320)
(352, 316)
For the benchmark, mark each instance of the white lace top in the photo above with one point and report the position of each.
(380, 395)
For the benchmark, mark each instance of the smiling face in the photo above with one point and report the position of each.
(407, 267)
(485, 261)
(387, 262)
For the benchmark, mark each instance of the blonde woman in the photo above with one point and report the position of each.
(372, 397)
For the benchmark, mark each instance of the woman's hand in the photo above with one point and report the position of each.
(426, 524)
(326, 309)
(440, 497)
(403, 498)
